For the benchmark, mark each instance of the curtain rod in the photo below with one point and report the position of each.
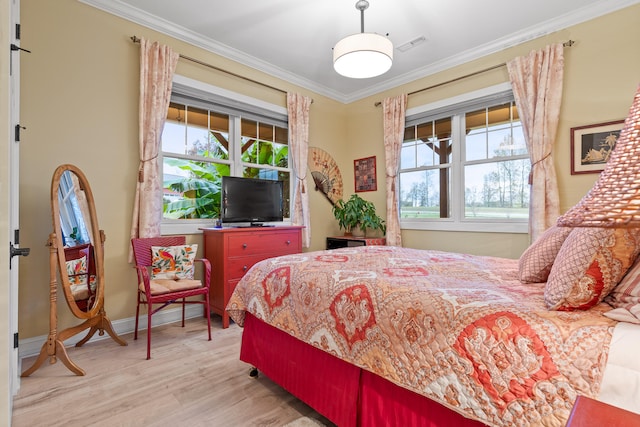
(568, 43)
(135, 39)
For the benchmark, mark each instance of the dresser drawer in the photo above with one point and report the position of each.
(260, 243)
(237, 267)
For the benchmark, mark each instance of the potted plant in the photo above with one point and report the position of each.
(357, 213)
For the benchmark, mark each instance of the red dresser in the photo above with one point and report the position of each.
(233, 251)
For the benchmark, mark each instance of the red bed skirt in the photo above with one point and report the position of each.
(343, 393)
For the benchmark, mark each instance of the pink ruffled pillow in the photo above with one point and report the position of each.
(535, 263)
(589, 265)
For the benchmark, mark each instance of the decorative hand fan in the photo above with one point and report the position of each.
(325, 173)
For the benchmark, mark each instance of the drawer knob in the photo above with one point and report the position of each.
(244, 246)
(244, 268)
(288, 242)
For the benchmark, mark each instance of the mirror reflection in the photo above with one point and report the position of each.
(76, 233)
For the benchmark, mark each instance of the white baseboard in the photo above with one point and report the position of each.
(31, 346)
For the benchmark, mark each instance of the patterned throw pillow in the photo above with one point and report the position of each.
(535, 263)
(77, 271)
(589, 265)
(627, 294)
(173, 262)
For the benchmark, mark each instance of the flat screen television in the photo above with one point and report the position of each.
(251, 201)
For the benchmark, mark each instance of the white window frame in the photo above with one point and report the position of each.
(457, 222)
(193, 226)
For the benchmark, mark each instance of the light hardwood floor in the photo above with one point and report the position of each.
(189, 381)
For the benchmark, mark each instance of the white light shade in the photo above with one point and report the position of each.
(363, 55)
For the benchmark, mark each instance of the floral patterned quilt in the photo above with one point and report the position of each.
(459, 329)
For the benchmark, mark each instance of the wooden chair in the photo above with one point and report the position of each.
(166, 291)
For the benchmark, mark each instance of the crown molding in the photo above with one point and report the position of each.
(125, 11)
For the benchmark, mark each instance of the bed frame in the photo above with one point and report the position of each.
(343, 393)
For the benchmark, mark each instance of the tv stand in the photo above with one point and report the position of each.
(233, 251)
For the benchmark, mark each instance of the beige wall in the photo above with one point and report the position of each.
(79, 104)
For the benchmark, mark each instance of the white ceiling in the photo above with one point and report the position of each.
(293, 39)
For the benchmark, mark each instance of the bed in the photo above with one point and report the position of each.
(380, 335)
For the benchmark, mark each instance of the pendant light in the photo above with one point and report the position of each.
(363, 55)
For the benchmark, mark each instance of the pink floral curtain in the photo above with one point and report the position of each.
(157, 66)
(298, 108)
(536, 80)
(393, 110)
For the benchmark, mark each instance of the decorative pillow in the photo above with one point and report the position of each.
(77, 271)
(535, 263)
(589, 265)
(627, 294)
(173, 262)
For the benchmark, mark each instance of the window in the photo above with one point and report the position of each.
(465, 166)
(207, 136)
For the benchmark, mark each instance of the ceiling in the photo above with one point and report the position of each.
(293, 39)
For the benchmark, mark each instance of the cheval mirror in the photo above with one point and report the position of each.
(76, 256)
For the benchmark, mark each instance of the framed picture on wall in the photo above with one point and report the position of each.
(591, 146)
(365, 174)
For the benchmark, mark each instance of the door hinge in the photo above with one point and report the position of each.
(15, 47)
(15, 340)
(17, 31)
(17, 132)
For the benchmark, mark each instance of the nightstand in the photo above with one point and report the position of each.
(587, 412)
(350, 241)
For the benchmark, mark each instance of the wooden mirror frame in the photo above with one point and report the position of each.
(95, 318)
(98, 243)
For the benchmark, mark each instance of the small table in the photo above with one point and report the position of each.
(350, 241)
(588, 412)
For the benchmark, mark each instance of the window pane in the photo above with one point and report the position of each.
(497, 190)
(196, 132)
(425, 194)
(197, 143)
(427, 144)
(173, 137)
(266, 132)
(493, 132)
(191, 189)
(476, 145)
(282, 135)
(249, 128)
(259, 146)
(500, 143)
(408, 155)
(218, 136)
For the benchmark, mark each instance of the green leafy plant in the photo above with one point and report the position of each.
(200, 191)
(358, 213)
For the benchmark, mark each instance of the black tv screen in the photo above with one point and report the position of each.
(251, 200)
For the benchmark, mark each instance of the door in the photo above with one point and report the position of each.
(14, 234)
